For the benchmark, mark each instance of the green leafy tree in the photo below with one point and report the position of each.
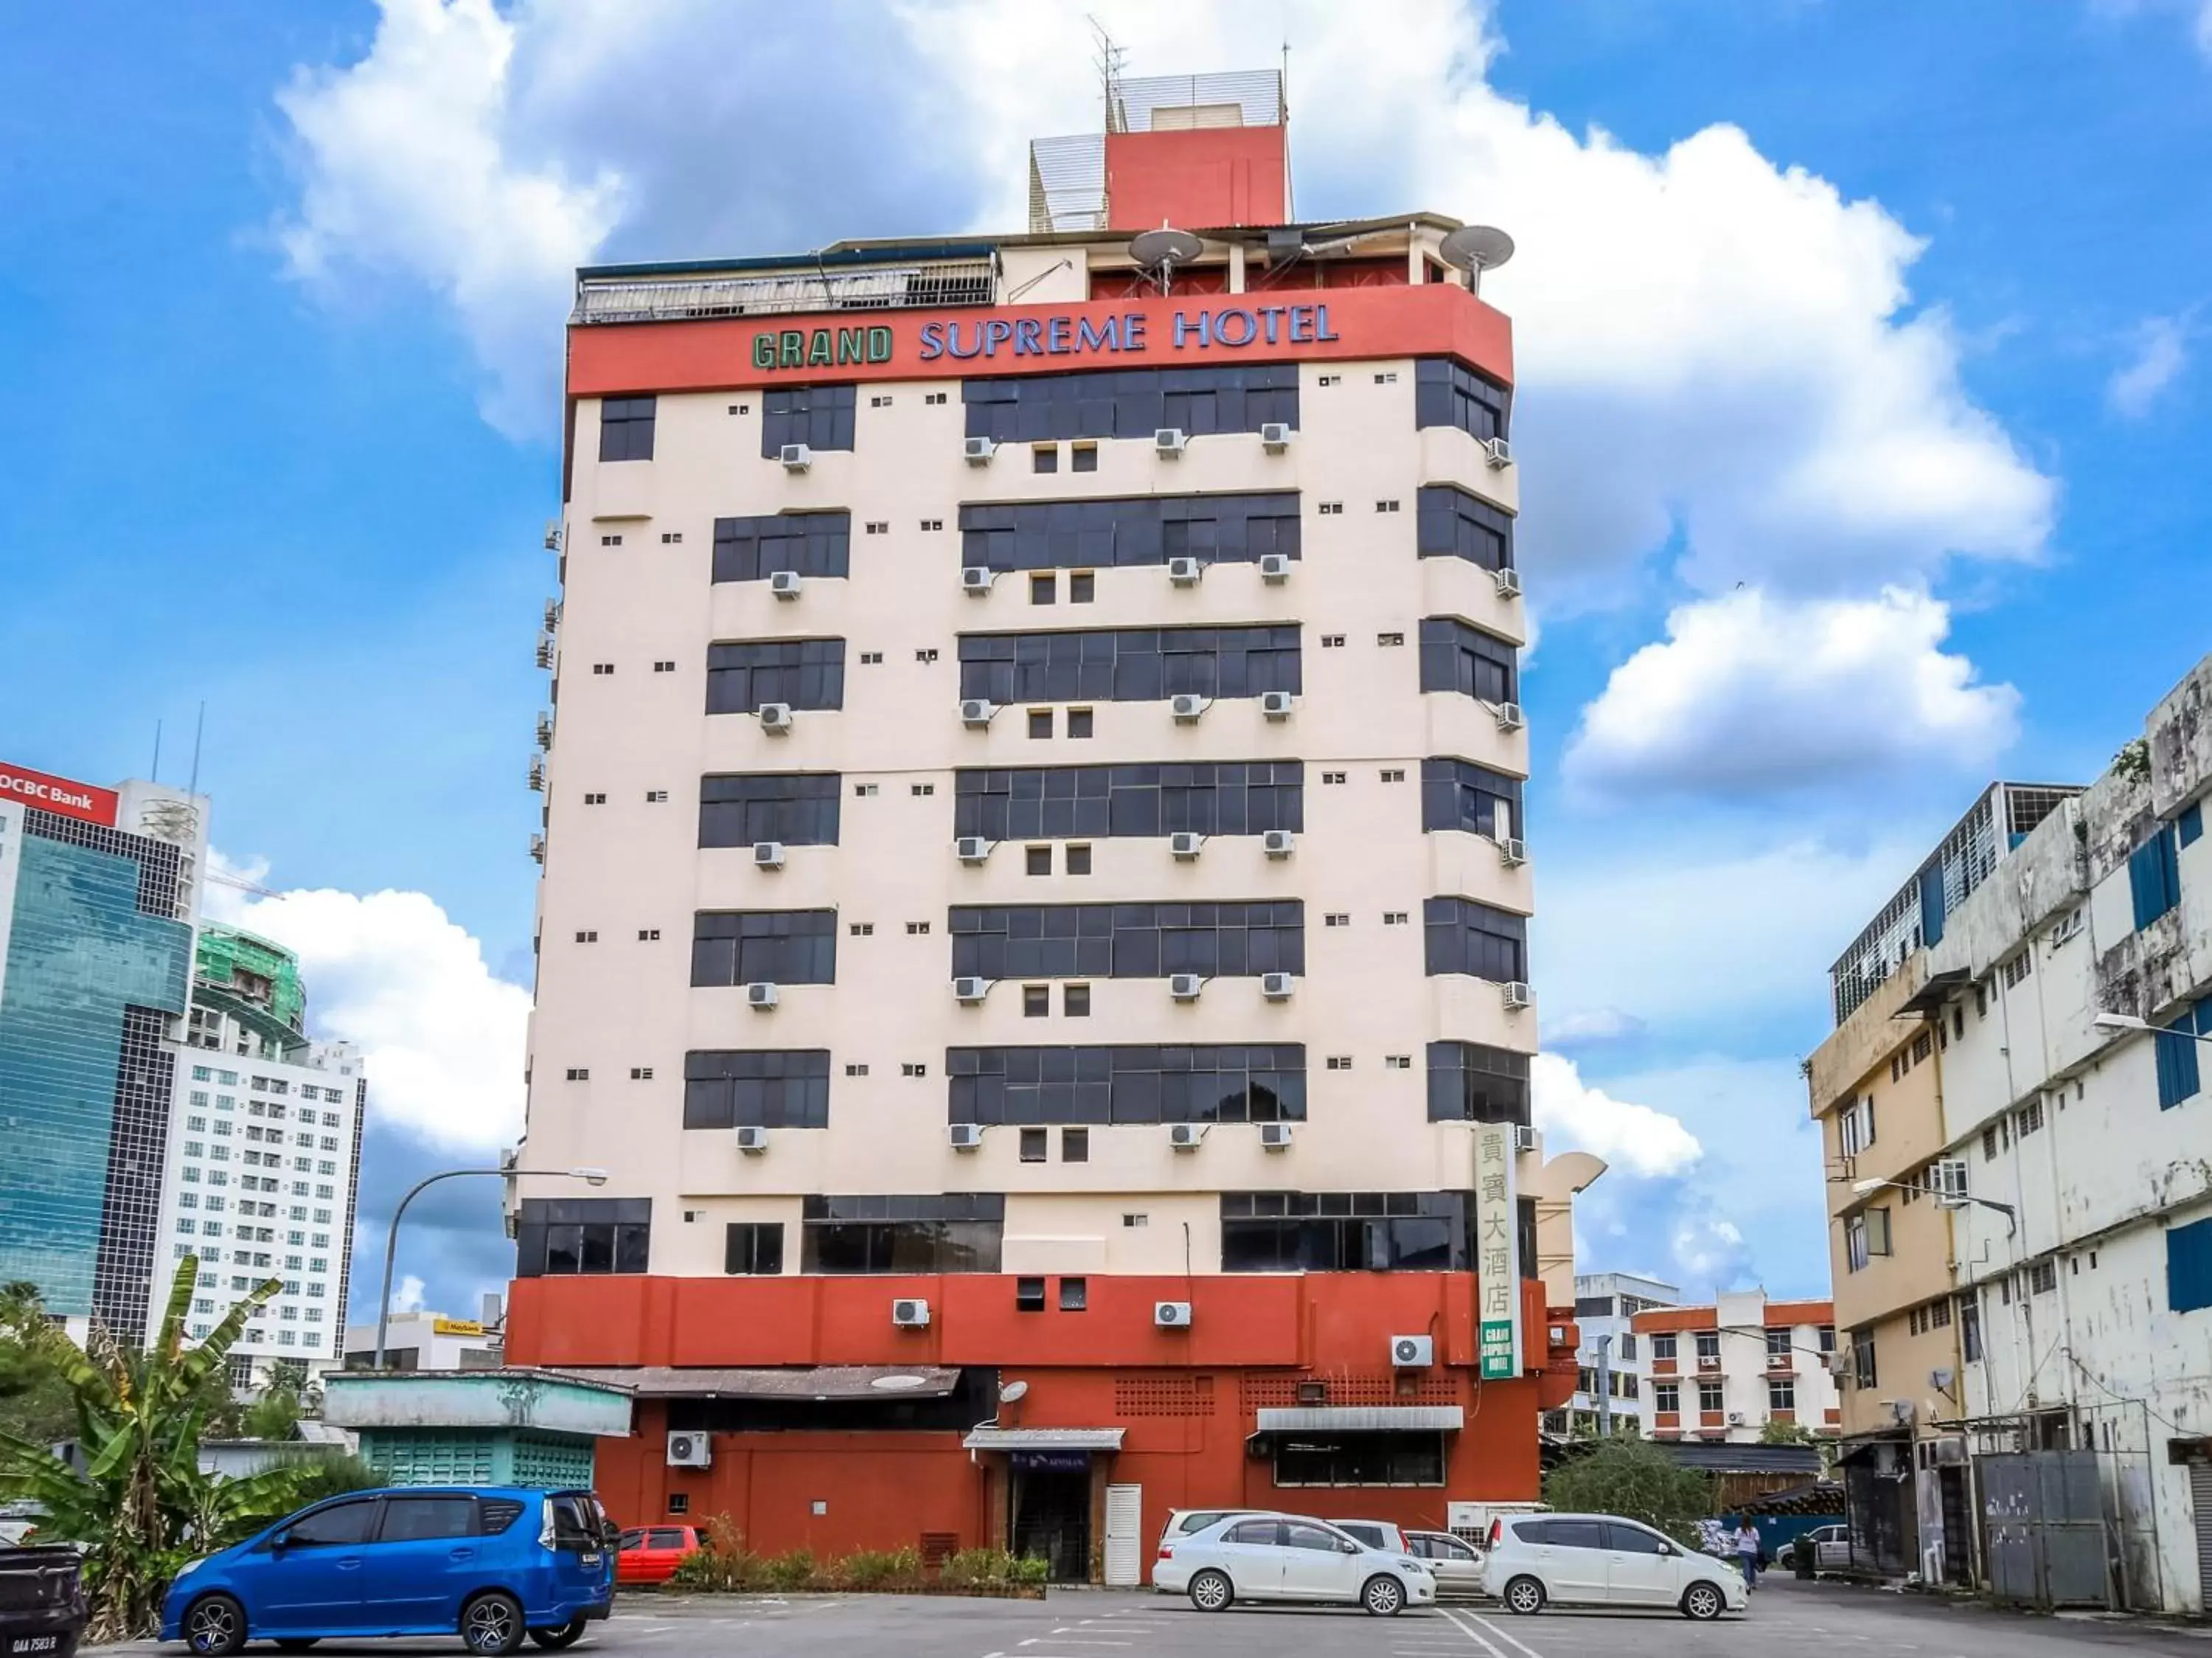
(140, 1503)
(1796, 1433)
(1636, 1480)
(34, 1401)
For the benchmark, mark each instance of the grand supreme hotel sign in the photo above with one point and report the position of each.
(698, 354)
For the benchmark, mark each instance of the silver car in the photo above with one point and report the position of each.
(1456, 1563)
(1288, 1557)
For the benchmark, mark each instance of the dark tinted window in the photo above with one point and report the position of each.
(1217, 797)
(1460, 794)
(342, 1522)
(752, 1247)
(1147, 530)
(756, 1088)
(668, 1537)
(1471, 1082)
(1464, 936)
(412, 1519)
(1129, 664)
(576, 1520)
(1458, 657)
(1453, 524)
(754, 549)
(1534, 1533)
(1632, 1539)
(1576, 1534)
(1447, 395)
(1128, 941)
(556, 1236)
(798, 808)
(1134, 1083)
(951, 1232)
(626, 428)
(632, 1540)
(497, 1514)
(1347, 1232)
(1132, 402)
(820, 417)
(776, 947)
(803, 672)
(1263, 1532)
(1370, 1535)
(1298, 1536)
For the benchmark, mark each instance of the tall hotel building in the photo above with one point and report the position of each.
(1034, 912)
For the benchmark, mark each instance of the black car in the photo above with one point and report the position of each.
(42, 1607)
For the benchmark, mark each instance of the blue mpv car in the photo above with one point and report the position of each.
(489, 1564)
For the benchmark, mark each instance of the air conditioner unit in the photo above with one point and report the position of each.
(785, 583)
(1497, 452)
(1509, 717)
(1279, 843)
(1187, 707)
(775, 718)
(1709, 1361)
(1274, 1136)
(1412, 1352)
(544, 650)
(978, 451)
(1524, 1137)
(1185, 844)
(1169, 443)
(1516, 995)
(976, 711)
(689, 1451)
(1736, 1418)
(1277, 704)
(975, 581)
(970, 989)
(1839, 1362)
(1185, 987)
(552, 614)
(1274, 567)
(1186, 1136)
(796, 457)
(965, 1137)
(752, 1139)
(536, 774)
(1512, 852)
(544, 729)
(762, 995)
(552, 535)
(1277, 987)
(1171, 1315)
(1275, 435)
(1508, 583)
(767, 855)
(537, 847)
(971, 849)
(1186, 572)
(910, 1312)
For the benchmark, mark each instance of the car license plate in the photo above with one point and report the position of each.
(35, 1643)
(590, 1559)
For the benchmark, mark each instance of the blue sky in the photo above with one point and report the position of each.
(1861, 428)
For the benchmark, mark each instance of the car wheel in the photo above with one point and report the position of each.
(563, 1635)
(1703, 1602)
(1383, 1597)
(491, 1624)
(1524, 1595)
(1210, 1592)
(215, 1627)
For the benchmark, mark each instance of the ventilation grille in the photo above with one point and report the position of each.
(1164, 1396)
(1364, 1387)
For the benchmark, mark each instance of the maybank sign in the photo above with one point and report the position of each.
(1126, 334)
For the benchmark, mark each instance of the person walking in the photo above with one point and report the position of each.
(1748, 1549)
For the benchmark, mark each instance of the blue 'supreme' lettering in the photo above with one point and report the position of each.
(1233, 327)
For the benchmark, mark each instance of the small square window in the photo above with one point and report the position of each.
(1084, 458)
(1077, 860)
(922, 791)
(927, 654)
(641, 1073)
(1336, 919)
(1075, 1001)
(1040, 722)
(603, 667)
(1036, 1000)
(1331, 642)
(933, 396)
(1395, 917)
(861, 1069)
(1386, 506)
(916, 928)
(1340, 1062)
(1331, 776)
(1036, 860)
(663, 667)
(862, 929)
(1074, 1295)
(579, 1074)
(914, 1070)
(1331, 509)
(671, 538)
(1397, 1062)
(871, 658)
(1043, 589)
(1044, 458)
(680, 1502)
(1029, 1293)
(1389, 641)
(1080, 721)
(1034, 1145)
(595, 800)
(611, 540)
(1135, 1220)
(1330, 380)
(1075, 1145)
(588, 938)
(877, 527)
(1389, 378)
(656, 797)
(879, 402)
(864, 790)
(929, 524)
(1082, 585)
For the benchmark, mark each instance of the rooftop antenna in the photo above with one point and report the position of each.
(156, 775)
(199, 730)
(1160, 251)
(1283, 115)
(1475, 248)
(1110, 58)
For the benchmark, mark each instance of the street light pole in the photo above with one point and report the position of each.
(1946, 1200)
(2128, 1021)
(591, 1176)
(1605, 1387)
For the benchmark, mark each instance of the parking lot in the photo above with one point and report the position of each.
(1785, 1616)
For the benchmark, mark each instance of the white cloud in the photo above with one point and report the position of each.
(2158, 354)
(443, 1039)
(1585, 1026)
(1708, 1250)
(408, 1297)
(1632, 1138)
(1749, 693)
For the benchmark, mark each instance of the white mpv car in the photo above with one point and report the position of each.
(1287, 1558)
(1596, 1560)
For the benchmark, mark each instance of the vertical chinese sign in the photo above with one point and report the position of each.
(1496, 1243)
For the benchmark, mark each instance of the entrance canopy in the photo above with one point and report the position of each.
(1044, 1439)
(1363, 1419)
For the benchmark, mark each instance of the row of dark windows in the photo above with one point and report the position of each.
(803, 672)
(1133, 664)
(1458, 657)
(820, 417)
(1132, 402)
(798, 808)
(557, 1236)
(1463, 936)
(926, 1233)
(1215, 797)
(776, 946)
(1453, 524)
(1447, 393)
(1128, 941)
(810, 543)
(1458, 793)
(1347, 1232)
(1141, 1082)
(1472, 1082)
(775, 1088)
(1144, 530)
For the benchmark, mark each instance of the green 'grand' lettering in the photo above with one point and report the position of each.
(879, 344)
(848, 345)
(818, 349)
(791, 352)
(764, 350)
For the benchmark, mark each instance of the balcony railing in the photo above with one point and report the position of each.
(937, 285)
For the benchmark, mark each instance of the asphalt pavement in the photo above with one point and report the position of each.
(1785, 1617)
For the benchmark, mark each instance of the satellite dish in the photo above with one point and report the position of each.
(1161, 250)
(1011, 1392)
(1475, 248)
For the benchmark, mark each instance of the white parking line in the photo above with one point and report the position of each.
(1511, 1641)
(1457, 1620)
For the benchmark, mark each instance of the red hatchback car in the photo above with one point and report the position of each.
(648, 1554)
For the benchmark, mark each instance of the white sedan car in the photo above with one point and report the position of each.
(1537, 1560)
(1287, 1558)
